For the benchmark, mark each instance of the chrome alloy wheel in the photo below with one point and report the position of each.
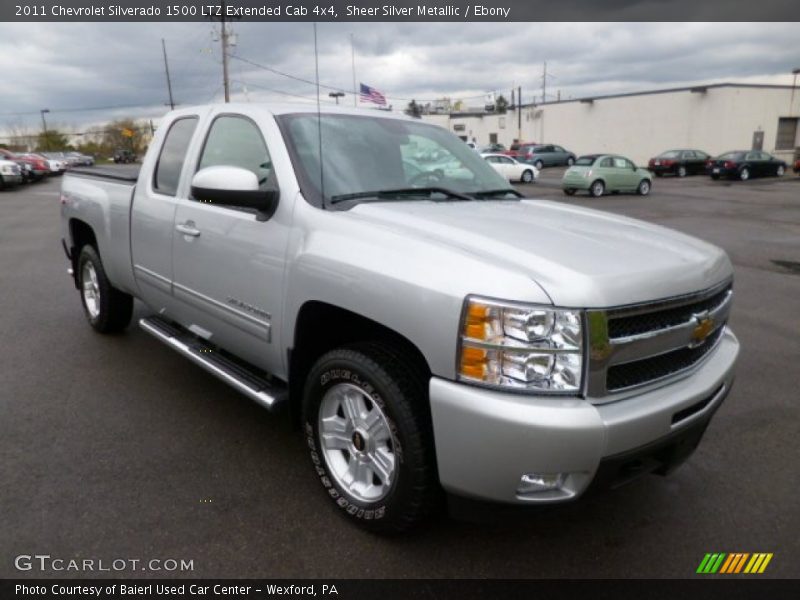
(90, 290)
(357, 443)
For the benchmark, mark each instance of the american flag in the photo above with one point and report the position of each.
(370, 94)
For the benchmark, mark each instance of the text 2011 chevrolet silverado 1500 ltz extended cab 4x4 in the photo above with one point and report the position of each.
(430, 329)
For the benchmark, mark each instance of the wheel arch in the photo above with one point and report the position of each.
(80, 235)
(321, 327)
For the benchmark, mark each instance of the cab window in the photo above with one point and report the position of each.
(168, 169)
(235, 141)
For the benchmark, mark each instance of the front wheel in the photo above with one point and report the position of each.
(781, 170)
(597, 189)
(744, 174)
(369, 433)
(681, 171)
(107, 309)
(570, 161)
(644, 187)
(527, 176)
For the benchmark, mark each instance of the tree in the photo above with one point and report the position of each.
(52, 140)
(123, 133)
(501, 104)
(413, 109)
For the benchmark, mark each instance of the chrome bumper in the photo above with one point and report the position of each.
(487, 440)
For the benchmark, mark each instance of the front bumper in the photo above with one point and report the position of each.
(12, 179)
(487, 440)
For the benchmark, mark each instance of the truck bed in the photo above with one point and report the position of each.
(125, 173)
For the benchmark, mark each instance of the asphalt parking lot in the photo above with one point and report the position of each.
(116, 447)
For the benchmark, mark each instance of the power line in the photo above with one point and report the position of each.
(331, 87)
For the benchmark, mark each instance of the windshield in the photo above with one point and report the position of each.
(364, 154)
(585, 161)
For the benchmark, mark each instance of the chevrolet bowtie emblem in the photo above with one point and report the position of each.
(705, 325)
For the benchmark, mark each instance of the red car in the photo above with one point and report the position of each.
(513, 152)
(33, 169)
(796, 167)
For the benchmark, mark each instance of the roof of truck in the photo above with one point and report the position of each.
(293, 108)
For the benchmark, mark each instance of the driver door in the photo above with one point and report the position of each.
(228, 264)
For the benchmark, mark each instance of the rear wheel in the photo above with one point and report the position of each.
(569, 192)
(681, 171)
(107, 309)
(597, 189)
(744, 174)
(570, 161)
(369, 433)
(538, 164)
(715, 177)
(644, 187)
(781, 170)
(527, 176)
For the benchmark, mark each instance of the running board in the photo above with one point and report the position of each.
(270, 394)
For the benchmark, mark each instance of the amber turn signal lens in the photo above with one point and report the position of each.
(473, 362)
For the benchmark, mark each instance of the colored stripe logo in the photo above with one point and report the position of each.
(734, 563)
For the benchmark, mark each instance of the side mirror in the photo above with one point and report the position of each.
(233, 186)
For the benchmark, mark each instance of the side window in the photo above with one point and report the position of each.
(173, 152)
(621, 163)
(558, 149)
(752, 156)
(491, 159)
(607, 162)
(764, 156)
(505, 161)
(236, 142)
(689, 154)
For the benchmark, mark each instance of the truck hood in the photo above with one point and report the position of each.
(580, 257)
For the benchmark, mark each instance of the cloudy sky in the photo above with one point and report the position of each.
(89, 73)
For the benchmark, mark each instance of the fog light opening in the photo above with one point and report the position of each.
(535, 483)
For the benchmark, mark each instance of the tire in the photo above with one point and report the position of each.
(744, 174)
(569, 192)
(681, 172)
(538, 164)
(570, 161)
(527, 176)
(597, 189)
(107, 309)
(657, 174)
(715, 177)
(781, 170)
(644, 187)
(379, 468)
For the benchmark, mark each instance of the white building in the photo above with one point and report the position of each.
(714, 118)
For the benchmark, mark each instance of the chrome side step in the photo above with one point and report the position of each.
(269, 393)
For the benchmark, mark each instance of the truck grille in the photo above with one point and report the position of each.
(638, 345)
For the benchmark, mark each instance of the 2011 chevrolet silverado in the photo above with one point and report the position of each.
(428, 328)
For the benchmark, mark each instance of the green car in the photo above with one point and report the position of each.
(601, 173)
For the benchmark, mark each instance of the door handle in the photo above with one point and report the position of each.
(188, 228)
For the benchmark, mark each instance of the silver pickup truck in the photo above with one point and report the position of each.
(433, 333)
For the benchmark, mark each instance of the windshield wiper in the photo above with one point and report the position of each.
(492, 193)
(424, 192)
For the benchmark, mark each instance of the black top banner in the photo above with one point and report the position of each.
(399, 10)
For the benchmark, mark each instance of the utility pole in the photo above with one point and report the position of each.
(519, 113)
(44, 128)
(353, 58)
(795, 72)
(166, 68)
(224, 39)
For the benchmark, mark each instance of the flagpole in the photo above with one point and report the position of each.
(353, 57)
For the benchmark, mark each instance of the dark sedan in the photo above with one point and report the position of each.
(744, 164)
(679, 162)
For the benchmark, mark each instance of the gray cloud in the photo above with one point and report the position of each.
(69, 67)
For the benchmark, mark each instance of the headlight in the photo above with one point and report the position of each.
(7, 170)
(521, 346)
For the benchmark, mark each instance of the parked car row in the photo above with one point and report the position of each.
(18, 168)
(737, 164)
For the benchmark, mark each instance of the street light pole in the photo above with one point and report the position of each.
(795, 72)
(44, 128)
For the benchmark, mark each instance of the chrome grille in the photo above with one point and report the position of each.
(638, 345)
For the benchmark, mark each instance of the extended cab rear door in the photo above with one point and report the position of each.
(153, 212)
(228, 262)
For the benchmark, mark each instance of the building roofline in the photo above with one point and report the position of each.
(699, 88)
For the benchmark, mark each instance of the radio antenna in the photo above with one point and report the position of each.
(319, 117)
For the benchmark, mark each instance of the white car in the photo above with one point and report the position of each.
(512, 169)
